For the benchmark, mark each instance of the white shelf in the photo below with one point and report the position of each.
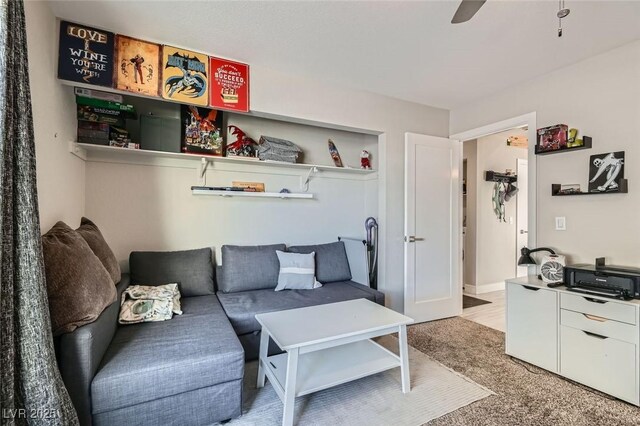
(90, 152)
(330, 367)
(221, 193)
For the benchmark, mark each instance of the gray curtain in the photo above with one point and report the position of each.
(29, 376)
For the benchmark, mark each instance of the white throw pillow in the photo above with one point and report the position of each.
(297, 271)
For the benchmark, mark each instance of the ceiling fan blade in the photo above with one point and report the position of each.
(466, 10)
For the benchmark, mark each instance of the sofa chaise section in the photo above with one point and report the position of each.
(187, 370)
(195, 357)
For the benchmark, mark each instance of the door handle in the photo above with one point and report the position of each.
(522, 231)
(413, 239)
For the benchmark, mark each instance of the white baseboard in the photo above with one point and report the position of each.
(484, 288)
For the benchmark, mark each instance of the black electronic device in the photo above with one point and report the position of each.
(601, 280)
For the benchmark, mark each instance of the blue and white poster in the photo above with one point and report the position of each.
(85, 54)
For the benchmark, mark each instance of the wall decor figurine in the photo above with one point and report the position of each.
(335, 155)
(573, 140)
(243, 146)
(85, 54)
(365, 162)
(605, 170)
(138, 64)
(185, 76)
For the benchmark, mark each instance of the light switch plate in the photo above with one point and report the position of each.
(561, 223)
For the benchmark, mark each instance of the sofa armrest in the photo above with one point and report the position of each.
(378, 296)
(81, 351)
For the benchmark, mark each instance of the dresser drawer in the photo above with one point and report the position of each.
(532, 325)
(607, 364)
(601, 326)
(609, 309)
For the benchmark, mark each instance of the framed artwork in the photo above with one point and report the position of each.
(185, 76)
(202, 130)
(229, 85)
(138, 64)
(85, 54)
(605, 171)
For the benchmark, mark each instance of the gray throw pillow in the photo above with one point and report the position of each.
(191, 269)
(331, 261)
(297, 271)
(247, 268)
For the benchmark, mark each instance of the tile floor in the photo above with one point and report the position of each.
(490, 314)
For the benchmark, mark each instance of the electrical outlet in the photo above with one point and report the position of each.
(561, 223)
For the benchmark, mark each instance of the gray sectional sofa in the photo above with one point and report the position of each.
(189, 370)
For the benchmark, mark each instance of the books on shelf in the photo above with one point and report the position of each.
(98, 94)
(101, 103)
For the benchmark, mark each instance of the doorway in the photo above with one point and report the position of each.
(494, 232)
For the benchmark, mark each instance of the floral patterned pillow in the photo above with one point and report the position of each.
(143, 303)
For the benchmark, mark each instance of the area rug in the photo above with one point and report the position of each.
(524, 394)
(375, 400)
(470, 302)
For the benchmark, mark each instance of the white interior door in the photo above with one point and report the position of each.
(522, 216)
(433, 223)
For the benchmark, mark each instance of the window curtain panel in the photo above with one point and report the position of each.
(32, 391)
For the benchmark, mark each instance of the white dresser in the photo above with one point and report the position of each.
(590, 339)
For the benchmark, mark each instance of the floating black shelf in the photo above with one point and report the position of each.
(623, 188)
(491, 176)
(586, 144)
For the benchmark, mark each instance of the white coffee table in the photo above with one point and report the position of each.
(328, 345)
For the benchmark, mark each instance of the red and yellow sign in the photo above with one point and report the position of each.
(229, 85)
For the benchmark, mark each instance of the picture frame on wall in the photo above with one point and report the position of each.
(85, 54)
(606, 171)
(137, 66)
(185, 76)
(229, 85)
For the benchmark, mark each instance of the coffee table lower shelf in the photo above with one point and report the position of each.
(331, 367)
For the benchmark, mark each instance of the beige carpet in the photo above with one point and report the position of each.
(524, 394)
(374, 400)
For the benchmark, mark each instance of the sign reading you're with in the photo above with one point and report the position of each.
(86, 54)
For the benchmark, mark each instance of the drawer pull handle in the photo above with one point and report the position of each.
(591, 299)
(595, 318)
(531, 288)
(598, 336)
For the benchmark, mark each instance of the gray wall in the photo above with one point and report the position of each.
(601, 97)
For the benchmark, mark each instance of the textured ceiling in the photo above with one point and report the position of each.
(407, 50)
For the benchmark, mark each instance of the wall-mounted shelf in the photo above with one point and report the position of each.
(586, 144)
(491, 176)
(623, 188)
(90, 152)
(282, 195)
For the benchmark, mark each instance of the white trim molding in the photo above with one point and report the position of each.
(483, 288)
